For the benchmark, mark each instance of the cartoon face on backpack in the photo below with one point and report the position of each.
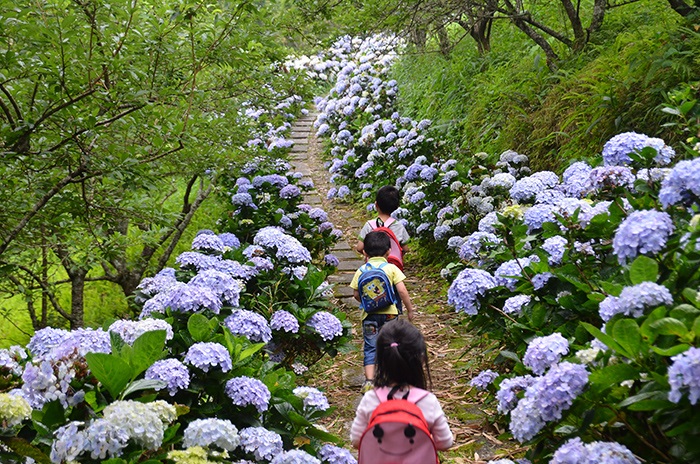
(393, 442)
(374, 289)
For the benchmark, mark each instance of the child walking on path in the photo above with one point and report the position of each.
(376, 248)
(402, 369)
(386, 202)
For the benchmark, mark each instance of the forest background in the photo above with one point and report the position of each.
(112, 120)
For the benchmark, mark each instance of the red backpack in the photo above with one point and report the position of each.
(397, 432)
(396, 253)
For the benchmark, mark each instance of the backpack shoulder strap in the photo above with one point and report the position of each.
(414, 394)
(389, 221)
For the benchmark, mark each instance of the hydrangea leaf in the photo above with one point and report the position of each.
(626, 333)
(144, 384)
(611, 375)
(643, 269)
(148, 348)
(603, 337)
(647, 332)
(669, 326)
(672, 351)
(113, 372)
(199, 328)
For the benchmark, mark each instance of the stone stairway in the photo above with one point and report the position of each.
(305, 158)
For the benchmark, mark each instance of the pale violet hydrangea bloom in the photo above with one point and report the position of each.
(262, 443)
(642, 232)
(332, 454)
(68, 443)
(535, 216)
(617, 150)
(289, 191)
(313, 398)
(160, 282)
(484, 379)
(609, 178)
(472, 246)
(634, 300)
(514, 304)
(546, 399)
(684, 376)
(143, 422)
(508, 272)
(172, 372)
(221, 283)
(465, 290)
(555, 248)
(285, 321)
(331, 260)
(326, 325)
(526, 189)
(205, 355)
(104, 439)
(508, 390)
(682, 185)
(245, 391)
(129, 331)
(295, 457)
(543, 352)
(286, 247)
(230, 240)
(575, 451)
(189, 298)
(208, 242)
(44, 340)
(249, 324)
(207, 432)
(192, 260)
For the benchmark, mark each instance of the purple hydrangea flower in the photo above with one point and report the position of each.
(508, 272)
(508, 391)
(575, 451)
(543, 352)
(318, 214)
(441, 231)
(129, 331)
(236, 270)
(249, 324)
(272, 179)
(80, 342)
(549, 197)
(472, 245)
(262, 443)
(331, 260)
(209, 243)
(193, 298)
(284, 320)
(160, 282)
(609, 178)
(466, 289)
(230, 240)
(616, 151)
(289, 191)
(313, 398)
(44, 340)
(287, 247)
(205, 355)
(222, 284)
(104, 439)
(514, 304)
(343, 191)
(684, 376)
(295, 456)
(525, 189)
(643, 232)
(245, 391)
(535, 216)
(682, 185)
(69, 442)
(171, 371)
(326, 324)
(547, 398)
(484, 379)
(555, 248)
(196, 261)
(634, 300)
(243, 199)
(540, 280)
(332, 454)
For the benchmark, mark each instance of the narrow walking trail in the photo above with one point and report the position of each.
(454, 357)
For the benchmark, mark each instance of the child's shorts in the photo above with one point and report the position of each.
(370, 329)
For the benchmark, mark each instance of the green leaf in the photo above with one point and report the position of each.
(654, 395)
(605, 338)
(669, 326)
(199, 328)
(650, 405)
(113, 372)
(52, 414)
(647, 332)
(612, 375)
(691, 295)
(298, 419)
(322, 435)
(626, 333)
(147, 349)
(251, 350)
(685, 312)
(144, 384)
(643, 269)
(510, 355)
(672, 351)
(23, 448)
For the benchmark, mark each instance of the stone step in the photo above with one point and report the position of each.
(341, 277)
(350, 265)
(342, 291)
(350, 302)
(341, 245)
(346, 254)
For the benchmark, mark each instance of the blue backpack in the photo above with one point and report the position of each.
(376, 290)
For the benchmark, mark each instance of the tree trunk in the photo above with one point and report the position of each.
(481, 32)
(77, 293)
(444, 41)
(580, 36)
(682, 8)
(549, 53)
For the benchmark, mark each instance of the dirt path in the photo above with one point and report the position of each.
(455, 357)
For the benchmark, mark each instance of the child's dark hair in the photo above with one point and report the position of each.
(402, 357)
(377, 243)
(387, 199)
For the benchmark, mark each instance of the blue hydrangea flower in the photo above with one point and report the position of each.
(549, 197)
(69, 442)
(441, 231)
(484, 379)
(104, 439)
(80, 342)
(262, 443)
(514, 304)
(143, 422)
(416, 197)
(205, 355)
(222, 284)
(540, 280)
(682, 185)
(684, 376)
(616, 151)
(332, 454)
(507, 394)
(10, 359)
(609, 178)
(295, 456)
(209, 242)
(160, 282)
(634, 300)
(171, 371)
(289, 191)
(428, 173)
(243, 199)
(44, 340)
(508, 272)
(343, 191)
(129, 331)
(543, 352)
(331, 260)
(555, 247)
(575, 451)
(207, 432)
(455, 242)
(284, 320)
(326, 325)
(465, 290)
(196, 261)
(642, 232)
(287, 247)
(535, 216)
(245, 391)
(272, 179)
(585, 217)
(193, 298)
(230, 240)
(526, 189)
(249, 324)
(313, 398)
(235, 270)
(546, 399)
(472, 246)
(332, 192)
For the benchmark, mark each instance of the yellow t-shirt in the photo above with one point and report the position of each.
(393, 273)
